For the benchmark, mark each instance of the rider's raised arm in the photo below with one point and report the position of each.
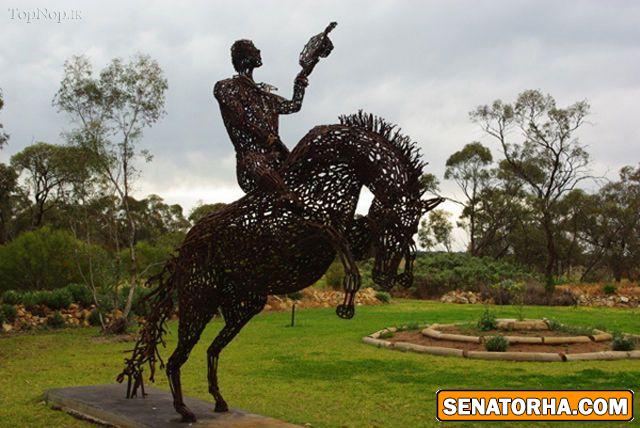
(295, 104)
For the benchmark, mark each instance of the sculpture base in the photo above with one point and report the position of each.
(107, 405)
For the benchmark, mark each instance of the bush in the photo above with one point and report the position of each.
(33, 299)
(496, 344)
(438, 273)
(622, 343)
(139, 306)
(487, 321)
(609, 289)
(503, 293)
(383, 296)
(80, 294)
(39, 259)
(7, 313)
(412, 326)
(533, 293)
(386, 335)
(55, 320)
(296, 295)
(334, 275)
(11, 297)
(94, 318)
(58, 299)
(564, 298)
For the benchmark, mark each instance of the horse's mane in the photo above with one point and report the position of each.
(402, 143)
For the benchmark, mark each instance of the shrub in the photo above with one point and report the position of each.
(609, 289)
(383, 296)
(39, 259)
(139, 305)
(32, 300)
(533, 293)
(333, 276)
(11, 297)
(438, 273)
(58, 299)
(487, 321)
(7, 313)
(573, 330)
(496, 344)
(386, 335)
(55, 320)
(94, 318)
(621, 342)
(81, 294)
(412, 326)
(296, 295)
(564, 298)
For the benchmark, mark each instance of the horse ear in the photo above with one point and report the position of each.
(429, 204)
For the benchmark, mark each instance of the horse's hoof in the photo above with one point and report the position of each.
(345, 311)
(187, 415)
(221, 407)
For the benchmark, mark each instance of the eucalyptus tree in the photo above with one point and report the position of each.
(110, 111)
(540, 148)
(469, 168)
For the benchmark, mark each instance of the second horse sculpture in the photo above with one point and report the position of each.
(232, 259)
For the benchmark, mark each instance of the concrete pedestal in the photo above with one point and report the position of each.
(107, 405)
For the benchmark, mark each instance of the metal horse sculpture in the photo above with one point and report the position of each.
(232, 259)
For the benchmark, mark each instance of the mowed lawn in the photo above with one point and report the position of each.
(318, 372)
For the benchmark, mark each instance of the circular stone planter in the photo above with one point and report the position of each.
(434, 331)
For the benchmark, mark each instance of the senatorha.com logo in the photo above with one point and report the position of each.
(534, 405)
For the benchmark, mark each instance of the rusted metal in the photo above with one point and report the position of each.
(296, 218)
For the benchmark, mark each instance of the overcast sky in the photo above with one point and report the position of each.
(421, 64)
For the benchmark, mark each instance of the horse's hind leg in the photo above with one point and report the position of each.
(236, 314)
(192, 323)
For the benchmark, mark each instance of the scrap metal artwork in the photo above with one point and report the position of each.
(296, 218)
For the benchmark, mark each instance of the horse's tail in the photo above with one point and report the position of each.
(151, 334)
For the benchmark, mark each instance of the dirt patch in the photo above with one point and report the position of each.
(470, 331)
(573, 348)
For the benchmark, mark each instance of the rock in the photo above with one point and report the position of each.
(624, 299)
(7, 327)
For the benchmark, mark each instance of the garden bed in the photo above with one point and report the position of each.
(528, 340)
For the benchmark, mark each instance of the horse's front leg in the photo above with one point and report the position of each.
(351, 284)
(352, 281)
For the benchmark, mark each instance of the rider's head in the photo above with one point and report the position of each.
(245, 56)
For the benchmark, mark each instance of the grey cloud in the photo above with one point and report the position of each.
(421, 64)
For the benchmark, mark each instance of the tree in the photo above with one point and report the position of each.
(548, 158)
(201, 210)
(610, 224)
(436, 229)
(158, 222)
(468, 168)
(111, 111)
(8, 187)
(48, 168)
(4, 137)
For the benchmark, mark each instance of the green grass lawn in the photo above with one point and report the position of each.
(318, 372)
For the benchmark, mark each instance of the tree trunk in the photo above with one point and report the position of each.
(472, 232)
(552, 255)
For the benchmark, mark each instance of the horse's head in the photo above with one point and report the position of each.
(390, 165)
(393, 228)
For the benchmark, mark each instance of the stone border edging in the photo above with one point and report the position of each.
(374, 339)
(509, 324)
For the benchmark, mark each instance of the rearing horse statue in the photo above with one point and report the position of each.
(232, 259)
